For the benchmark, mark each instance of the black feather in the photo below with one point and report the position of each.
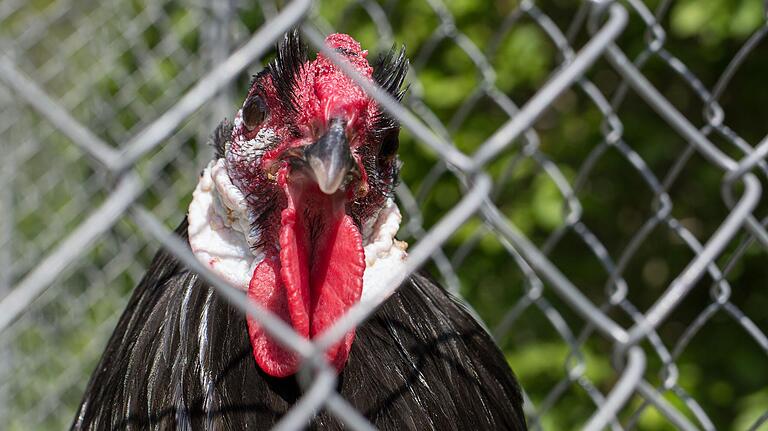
(388, 73)
(390, 70)
(220, 137)
(256, 79)
(180, 358)
(285, 68)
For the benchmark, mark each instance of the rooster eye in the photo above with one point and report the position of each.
(389, 146)
(254, 112)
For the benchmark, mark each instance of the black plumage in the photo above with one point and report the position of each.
(389, 73)
(180, 358)
(285, 68)
(220, 138)
(390, 70)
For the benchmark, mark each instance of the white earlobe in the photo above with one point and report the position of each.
(219, 226)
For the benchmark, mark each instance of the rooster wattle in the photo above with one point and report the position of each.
(297, 210)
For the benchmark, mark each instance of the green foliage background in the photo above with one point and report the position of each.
(722, 368)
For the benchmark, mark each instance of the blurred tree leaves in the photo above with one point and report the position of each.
(715, 20)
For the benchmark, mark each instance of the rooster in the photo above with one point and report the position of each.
(297, 210)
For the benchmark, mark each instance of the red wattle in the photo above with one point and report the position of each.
(336, 278)
(267, 289)
(320, 266)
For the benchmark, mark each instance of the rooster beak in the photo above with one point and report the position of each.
(330, 158)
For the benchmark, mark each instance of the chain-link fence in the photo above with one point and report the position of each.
(106, 108)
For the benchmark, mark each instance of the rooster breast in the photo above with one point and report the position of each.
(180, 358)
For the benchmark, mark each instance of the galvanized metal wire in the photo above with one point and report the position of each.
(88, 194)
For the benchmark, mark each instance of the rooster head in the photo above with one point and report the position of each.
(297, 206)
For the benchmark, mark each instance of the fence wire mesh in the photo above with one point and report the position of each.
(628, 258)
